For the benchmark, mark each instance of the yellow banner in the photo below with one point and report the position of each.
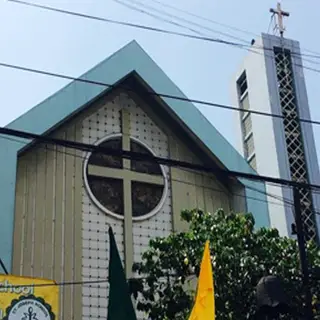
(23, 298)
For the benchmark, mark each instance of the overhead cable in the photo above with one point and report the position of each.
(128, 24)
(192, 14)
(145, 27)
(146, 157)
(144, 6)
(284, 201)
(151, 93)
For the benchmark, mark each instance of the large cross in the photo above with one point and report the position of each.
(280, 15)
(127, 176)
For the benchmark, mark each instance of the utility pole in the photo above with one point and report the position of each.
(280, 15)
(303, 254)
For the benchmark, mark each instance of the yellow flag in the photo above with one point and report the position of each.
(28, 298)
(204, 307)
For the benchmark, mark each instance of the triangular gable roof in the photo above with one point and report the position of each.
(131, 58)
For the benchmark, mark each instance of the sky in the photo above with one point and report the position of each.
(60, 43)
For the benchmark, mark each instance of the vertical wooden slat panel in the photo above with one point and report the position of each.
(208, 199)
(68, 226)
(39, 212)
(59, 221)
(19, 218)
(199, 191)
(226, 203)
(27, 268)
(48, 243)
(176, 206)
(212, 194)
(77, 293)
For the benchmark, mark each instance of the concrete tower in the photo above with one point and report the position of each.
(271, 80)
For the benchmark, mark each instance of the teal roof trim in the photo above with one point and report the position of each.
(74, 96)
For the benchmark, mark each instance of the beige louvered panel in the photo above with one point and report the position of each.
(249, 146)
(20, 219)
(192, 189)
(46, 202)
(39, 236)
(28, 261)
(253, 163)
(247, 125)
(59, 220)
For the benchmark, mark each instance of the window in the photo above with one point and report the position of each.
(244, 104)
(242, 84)
(111, 181)
(249, 146)
(253, 162)
(247, 126)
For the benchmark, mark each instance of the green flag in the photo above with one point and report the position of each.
(120, 304)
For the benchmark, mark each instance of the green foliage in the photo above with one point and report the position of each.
(240, 254)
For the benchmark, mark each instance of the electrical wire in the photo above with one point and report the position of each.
(145, 157)
(86, 16)
(95, 281)
(238, 45)
(204, 18)
(127, 5)
(314, 55)
(151, 93)
(145, 27)
(144, 5)
(123, 23)
(286, 202)
(271, 20)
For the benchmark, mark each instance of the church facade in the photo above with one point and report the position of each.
(58, 202)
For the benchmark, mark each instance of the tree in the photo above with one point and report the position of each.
(240, 255)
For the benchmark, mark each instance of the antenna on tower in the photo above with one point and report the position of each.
(280, 13)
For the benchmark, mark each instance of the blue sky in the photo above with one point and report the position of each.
(60, 43)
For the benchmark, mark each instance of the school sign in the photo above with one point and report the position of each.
(28, 298)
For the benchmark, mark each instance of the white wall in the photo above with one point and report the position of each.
(263, 131)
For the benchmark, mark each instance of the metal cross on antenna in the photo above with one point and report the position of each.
(280, 15)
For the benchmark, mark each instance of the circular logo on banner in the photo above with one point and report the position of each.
(29, 308)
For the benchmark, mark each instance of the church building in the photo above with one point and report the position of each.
(57, 203)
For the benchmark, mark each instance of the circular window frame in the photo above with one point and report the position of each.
(97, 202)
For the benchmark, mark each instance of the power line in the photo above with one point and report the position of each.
(145, 27)
(237, 45)
(248, 43)
(156, 16)
(314, 55)
(65, 283)
(204, 18)
(251, 111)
(285, 201)
(146, 157)
(177, 18)
(204, 27)
(95, 281)
(128, 5)
(128, 24)
(151, 93)
(270, 23)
